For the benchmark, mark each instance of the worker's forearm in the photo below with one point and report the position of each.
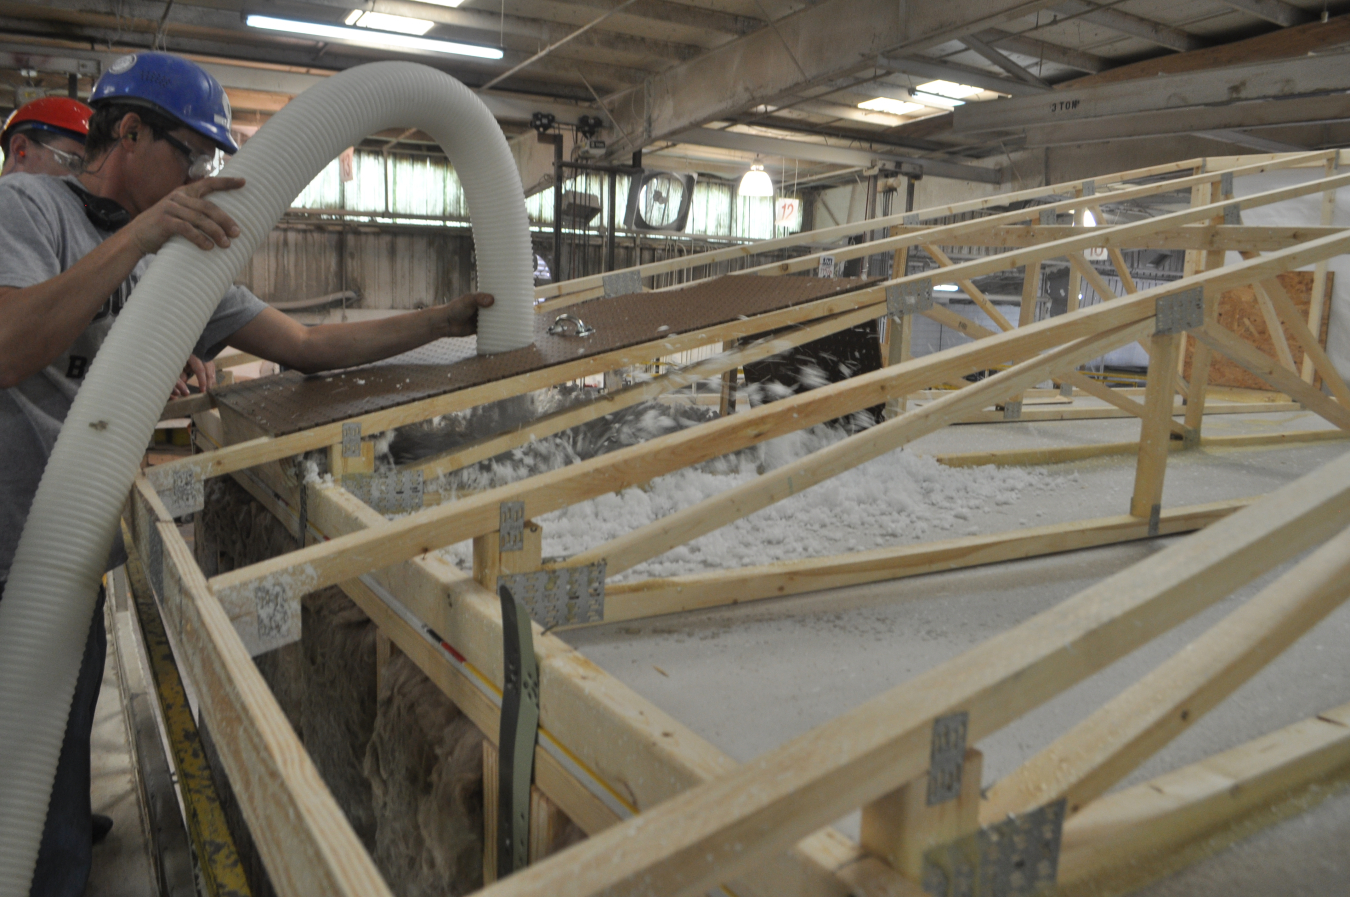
(39, 322)
(329, 346)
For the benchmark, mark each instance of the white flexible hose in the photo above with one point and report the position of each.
(44, 617)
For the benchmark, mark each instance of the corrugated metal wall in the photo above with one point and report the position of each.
(387, 269)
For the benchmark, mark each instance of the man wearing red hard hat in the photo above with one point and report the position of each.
(72, 249)
(46, 136)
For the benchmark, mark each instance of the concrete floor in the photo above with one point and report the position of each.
(750, 678)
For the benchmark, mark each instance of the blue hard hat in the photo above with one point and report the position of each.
(173, 86)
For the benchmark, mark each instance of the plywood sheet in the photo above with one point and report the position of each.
(1240, 313)
(291, 402)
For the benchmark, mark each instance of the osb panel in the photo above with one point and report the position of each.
(291, 402)
(1240, 313)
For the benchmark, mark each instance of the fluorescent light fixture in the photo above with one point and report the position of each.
(932, 99)
(945, 288)
(886, 104)
(369, 37)
(756, 182)
(453, 4)
(383, 21)
(949, 89)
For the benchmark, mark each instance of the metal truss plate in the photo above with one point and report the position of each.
(622, 283)
(1182, 311)
(1048, 217)
(1015, 858)
(390, 492)
(1226, 183)
(1089, 188)
(1232, 214)
(512, 527)
(562, 596)
(351, 439)
(1012, 410)
(186, 494)
(154, 559)
(911, 220)
(909, 298)
(946, 755)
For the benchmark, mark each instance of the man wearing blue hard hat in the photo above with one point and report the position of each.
(71, 251)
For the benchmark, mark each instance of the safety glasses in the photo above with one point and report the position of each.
(200, 165)
(72, 162)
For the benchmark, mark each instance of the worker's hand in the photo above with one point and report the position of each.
(461, 313)
(204, 371)
(186, 213)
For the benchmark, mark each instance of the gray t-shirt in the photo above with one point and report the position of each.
(43, 232)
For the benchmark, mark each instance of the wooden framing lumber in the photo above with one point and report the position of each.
(713, 832)
(305, 841)
(1265, 367)
(975, 293)
(1125, 840)
(1101, 750)
(1066, 453)
(1319, 286)
(1155, 429)
(713, 513)
(653, 597)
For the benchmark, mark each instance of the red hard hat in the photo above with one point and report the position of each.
(60, 115)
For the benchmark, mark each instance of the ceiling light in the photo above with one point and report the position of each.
(949, 89)
(1089, 219)
(369, 37)
(383, 21)
(932, 99)
(453, 4)
(945, 288)
(756, 182)
(886, 104)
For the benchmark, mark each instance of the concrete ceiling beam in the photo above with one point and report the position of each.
(818, 43)
(833, 155)
(1283, 14)
(1039, 49)
(1135, 26)
(1003, 62)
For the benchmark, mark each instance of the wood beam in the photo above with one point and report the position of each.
(1155, 428)
(654, 597)
(1085, 762)
(1268, 369)
(1063, 454)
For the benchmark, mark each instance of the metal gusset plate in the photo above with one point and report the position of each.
(1182, 311)
(1018, 857)
(389, 492)
(561, 597)
(946, 755)
(517, 736)
(511, 528)
(909, 298)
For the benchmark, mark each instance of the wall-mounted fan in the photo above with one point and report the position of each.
(659, 201)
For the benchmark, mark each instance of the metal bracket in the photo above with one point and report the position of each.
(390, 492)
(351, 439)
(1089, 188)
(185, 494)
(517, 736)
(912, 220)
(579, 326)
(1066, 390)
(909, 298)
(511, 529)
(1226, 184)
(1012, 410)
(622, 283)
(562, 596)
(1182, 311)
(946, 755)
(1154, 520)
(1232, 214)
(1048, 217)
(1018, 857)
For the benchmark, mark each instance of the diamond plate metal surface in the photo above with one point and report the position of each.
(563, 596)
(946, 755)
(622, 283)
(511, 531)
(290, 402)
(1182, 311)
